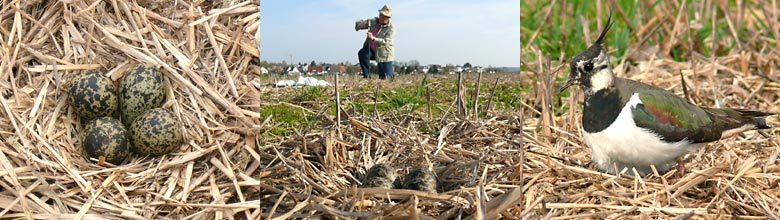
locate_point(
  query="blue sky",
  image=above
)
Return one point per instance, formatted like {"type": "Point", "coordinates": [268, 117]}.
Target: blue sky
{"type": "Point", "coordinates": [484, 33]}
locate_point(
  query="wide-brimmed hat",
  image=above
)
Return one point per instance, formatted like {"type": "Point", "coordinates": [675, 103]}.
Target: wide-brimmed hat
{"type": "Point", "coordinates": [386, 11]}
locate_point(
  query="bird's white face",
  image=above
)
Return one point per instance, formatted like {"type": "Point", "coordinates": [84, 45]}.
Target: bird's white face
{"type": "Point", "coordinates": [598, 71]}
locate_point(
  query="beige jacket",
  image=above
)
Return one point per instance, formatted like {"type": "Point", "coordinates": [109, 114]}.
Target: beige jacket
{"type": "Point", "coordinates": [384, 39]}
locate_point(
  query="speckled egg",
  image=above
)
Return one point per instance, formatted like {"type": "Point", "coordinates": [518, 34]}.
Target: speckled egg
{"type": "Point", "coordinates": [106, 137]}
{"type": "Point", "coordinates": [141, 89]}
{"type": "Point", "coordinates": [93, 95]}
{"type": "Point", "coordinates": [421, 179]}
{"type": "Point", "coordinates": [155, 133]}
{"type": "Point", "coordinates": [381, 175]}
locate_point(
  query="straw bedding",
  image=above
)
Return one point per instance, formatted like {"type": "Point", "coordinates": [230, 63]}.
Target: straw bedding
{"type": "Point", "coordinates": [197, 45]}
{"type": "Point", "coordinates": [528, 161]}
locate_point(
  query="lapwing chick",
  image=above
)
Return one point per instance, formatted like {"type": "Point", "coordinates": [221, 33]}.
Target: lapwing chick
{"type": "Point", "coordinates": [420, 179]}
{"type": "Point", "coordinates": [632, 125]}
{"type": "Point", "coordinates": [381, 175]}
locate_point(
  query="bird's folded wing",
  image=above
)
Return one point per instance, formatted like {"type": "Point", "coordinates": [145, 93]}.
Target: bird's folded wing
{"type": "Point", "coordinates": [673, 118]}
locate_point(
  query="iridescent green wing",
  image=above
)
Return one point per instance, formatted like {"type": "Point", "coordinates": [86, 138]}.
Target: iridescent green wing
{"type": "Point", "coordinates": [669, 116]}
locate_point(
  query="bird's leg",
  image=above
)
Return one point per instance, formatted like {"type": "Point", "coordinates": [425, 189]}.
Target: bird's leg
{"type": "Point", "coordinates": [681, 170]}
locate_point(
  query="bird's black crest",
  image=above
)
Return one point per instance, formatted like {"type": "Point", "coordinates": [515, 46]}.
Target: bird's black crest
{"type": "Point", "coordinates": [604, 31]}
{"type": "Point", "coordinates": [595, 49]}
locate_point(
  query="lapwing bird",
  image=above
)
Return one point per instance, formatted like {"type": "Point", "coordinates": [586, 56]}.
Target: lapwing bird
{"type": "Point", "coordinates": [632, 125]}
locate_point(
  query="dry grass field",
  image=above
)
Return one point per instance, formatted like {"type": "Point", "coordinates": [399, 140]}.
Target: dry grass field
{"type": "Point", "coordinates": [254, 151]}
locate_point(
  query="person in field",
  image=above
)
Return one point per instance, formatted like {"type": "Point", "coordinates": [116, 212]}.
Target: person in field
{"type": "Point", "coordinates": [378, 44]}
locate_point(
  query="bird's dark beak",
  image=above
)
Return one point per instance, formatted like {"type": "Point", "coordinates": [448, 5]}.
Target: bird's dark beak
{"type": "Point", "coordinates": [566, 85]}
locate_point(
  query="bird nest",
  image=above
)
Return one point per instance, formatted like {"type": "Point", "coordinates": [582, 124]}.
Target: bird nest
{"type": "Point", "coordinates": [208, 53]}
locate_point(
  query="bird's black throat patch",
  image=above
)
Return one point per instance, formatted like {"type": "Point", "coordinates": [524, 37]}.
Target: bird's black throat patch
{"type": "Point", "coordinates": [601, 109]}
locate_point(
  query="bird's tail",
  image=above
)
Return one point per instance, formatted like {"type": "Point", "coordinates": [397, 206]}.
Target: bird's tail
{"type": "Point", "coordinates": [735, 121]}
{"type": "Point", "coordinates": [729, 118]}
{"type": "Point", "coordinates": [761, 124]}
{"type": "Point", "coordinates": [758, 117]}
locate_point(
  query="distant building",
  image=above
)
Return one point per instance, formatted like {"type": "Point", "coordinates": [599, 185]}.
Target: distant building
{"type": "Point", "coordinates": [304, 68]}
{"type": "Point", "coordinates": [336, 69]}
{"type": "Point", "coordinates": [479, 69]}
{"type": "Point", "coordinates": [467, 67]}
{"type": "Point", "coordinates": [263, 70]}
{"type": "Point", "coordinates": [449, 69]}
{"type": "Point", "coordinates": [292, 70]}
{"type": "Point", "coordinates": [316, 70]}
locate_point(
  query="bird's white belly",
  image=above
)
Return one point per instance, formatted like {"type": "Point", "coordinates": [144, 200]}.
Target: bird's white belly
{"type": "Point", "coordinates": [624, 145]}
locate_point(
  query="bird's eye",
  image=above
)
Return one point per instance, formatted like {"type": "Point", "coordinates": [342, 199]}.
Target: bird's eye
{"type": "Point", "coordinates": [588, 67]}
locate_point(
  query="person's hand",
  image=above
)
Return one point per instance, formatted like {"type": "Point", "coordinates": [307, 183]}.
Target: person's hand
{"type": "Point", "coordinates": [370, 35]}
